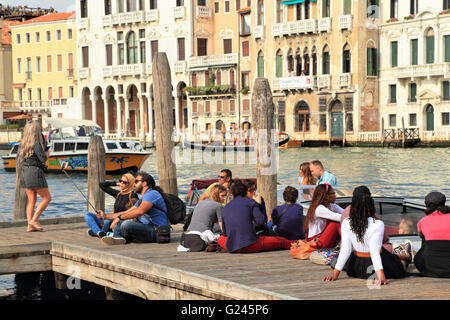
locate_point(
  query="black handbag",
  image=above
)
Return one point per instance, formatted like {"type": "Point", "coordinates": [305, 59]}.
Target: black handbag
{"type": "Point", "coordinates": [193, 242]}
{"type": "Point", "coordinates": [162, 234]}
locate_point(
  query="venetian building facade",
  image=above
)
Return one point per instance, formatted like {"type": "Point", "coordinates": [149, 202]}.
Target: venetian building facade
{"type": "Point", "coordinates": [116, 44]}
{"type": "Point", "coordinates": [415, 69]}
{"type": "Point", "coordinates": [321, 59]}
{"type": "Point", "coordinates": [44, 64]}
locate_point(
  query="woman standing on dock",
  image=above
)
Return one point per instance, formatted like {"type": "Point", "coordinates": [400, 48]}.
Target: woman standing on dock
{"type": "Point", "coordinates": [33, 151]}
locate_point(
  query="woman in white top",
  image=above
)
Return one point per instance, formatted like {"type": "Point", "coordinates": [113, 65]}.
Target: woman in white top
{"type": "Point", "coordinates": [323, 217]}
{"type": "Point", "coordinates": [362, 239]}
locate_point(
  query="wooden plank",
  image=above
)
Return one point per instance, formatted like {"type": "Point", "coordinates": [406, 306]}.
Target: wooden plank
{"type": "Point", "coordinates": [25, 258]}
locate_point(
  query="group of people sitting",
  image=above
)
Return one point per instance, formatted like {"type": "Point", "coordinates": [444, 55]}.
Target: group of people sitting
{"type": "Point", "coordinates": [231, 217]}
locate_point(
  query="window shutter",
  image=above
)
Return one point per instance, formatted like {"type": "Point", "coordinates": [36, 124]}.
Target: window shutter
{"type": "Point", "coordinates": [260, 67]}
{"type": "Point", "coordinates": [447, 48]}
{"type": "Point", "coordinates": [415, 52]}
{"type": "Point", "coordinates": [370, 71]}
{"type": "Point", "coordinates": [245, 49]}
{"type": "Point", "coordinates": [394, 54]}
{"type": "Point", "coordinates": [181, 50]}
{"type": "Point", "coordinates": [430, 49]}
{"type": "Point", "coordinates": [227, 46]}
{"type": "Point", "coordinates": [279, 70]}
{"type": "Point", "coordinates": [446, 85]}
{"type": "Point", "coordinates": [347, 6]}
{"type": "Point", "coordinates": [109, 54]}
{"type": "Point", "coordinates": [202, 47]}
{"type": "Point", "coordinates": [412, 92]}
{"type": "Point", "coordinates": [85, 51]}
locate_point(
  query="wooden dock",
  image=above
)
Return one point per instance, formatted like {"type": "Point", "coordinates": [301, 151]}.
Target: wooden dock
{"type": "Point", "coordinates": [158, 271]}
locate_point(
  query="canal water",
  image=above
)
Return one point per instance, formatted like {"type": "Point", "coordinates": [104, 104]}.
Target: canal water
{"type": "Point", "coordinates": [409, 173]}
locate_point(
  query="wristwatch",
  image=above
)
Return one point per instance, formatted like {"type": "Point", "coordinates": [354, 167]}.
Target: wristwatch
{"type": "Point", "coordinates": [119, 216]}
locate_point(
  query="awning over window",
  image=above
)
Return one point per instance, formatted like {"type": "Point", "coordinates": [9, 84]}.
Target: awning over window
{"type": "Point", "coordinates": [296, 1]}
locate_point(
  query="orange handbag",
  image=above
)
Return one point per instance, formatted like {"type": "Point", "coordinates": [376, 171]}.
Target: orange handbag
{"type": "Point", "coordinates": [301, 249]}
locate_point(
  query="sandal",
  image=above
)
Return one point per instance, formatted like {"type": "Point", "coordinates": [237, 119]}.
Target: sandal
{"type": "Point", "coordinates": [36, 226]}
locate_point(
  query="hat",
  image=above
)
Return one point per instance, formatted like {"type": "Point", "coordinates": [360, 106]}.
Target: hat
{"type": "Point", "coordinates": [434, 199]}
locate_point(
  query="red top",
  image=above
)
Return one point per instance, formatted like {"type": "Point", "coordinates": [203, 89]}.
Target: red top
{"type": "Point", "coordinates": [435, 226]}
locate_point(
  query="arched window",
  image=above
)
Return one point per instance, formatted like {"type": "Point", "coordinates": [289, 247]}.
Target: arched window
{"type": "Point", "coordinates": [314, 61]}
{"type": "Point", "coordinates": [326, 60]}
{"type": "Point", "coordinates": [290, 61]}
{"type": "Point", "coordinates": [132, 49]}
{"type": "Point", "coordinates": [306, 63]}
{"type": "Point", "coordinates": [260, 65]}
{"type": "Point", "coordinates": [346, 59]}
{"type": "Point", "coordinates": [372, 59]}
{"type": "Point", "coordinates": [279, 64]}
{"type": "Point", "coordinates": [302, 116]}
{"type": "Point", "coordinates": [298, 60]}
{"type": "Point", "coordinates": [429, 45]}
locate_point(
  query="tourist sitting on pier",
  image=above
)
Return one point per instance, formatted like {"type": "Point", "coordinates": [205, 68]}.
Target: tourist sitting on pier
{"type": "Point", "coordinates": [125, 199]}
{"type": "Point", "coordinates": [361, 245]}
{"type": "Point", "coordinates": [206, 221]}
{"type": "Point", "coordinates": [306, 178]}
{"type": "Point", "coordinates": [323, 217]}
{"type": "Point", "coordinates": [225, 179]}
{"type": "Point", "coordinates": [288, 218]}
{"type": "Point", "coordinates": [252, 193]}
{"type": "Point", "coordinates": [239, 218]}
{"type": "Point", "coordinates": [322, 175]}
{"type": "Point", "coordinates": [138, 223]}
{"type": "Point", "coordinates": [433, 258]}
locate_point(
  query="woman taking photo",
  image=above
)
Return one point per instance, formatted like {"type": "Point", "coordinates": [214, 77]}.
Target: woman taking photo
{"type": "Point", "coordinates": [323, 217]}
{"type": "Point", "coordinates": [125, 199]}
{"type": "Point", "coordinates": [362, 244]}
{"type": "Point", "coordinates": [33, 152]}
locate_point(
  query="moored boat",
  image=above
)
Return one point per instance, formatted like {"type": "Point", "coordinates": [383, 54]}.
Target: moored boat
{"type": "Point", "coordinates": [69, 143]}
{"type": "Point", "coordinates": [219, 147]}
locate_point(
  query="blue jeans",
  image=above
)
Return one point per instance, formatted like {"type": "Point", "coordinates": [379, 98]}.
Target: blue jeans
{"type": "Point", "coordinates": [95, 224]}
{"type": "Point", "coordinates": [134, 231]}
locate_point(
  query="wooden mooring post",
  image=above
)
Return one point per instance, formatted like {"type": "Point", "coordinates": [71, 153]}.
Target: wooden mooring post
{"type": "Point", "coordinates": [20, 198]}
{"type": "Point", "coordinates": [163, 106]}
{"type": "Point", "coordinates": [96, 173]}
{"type": "Point", "coordinates": [266, 150]}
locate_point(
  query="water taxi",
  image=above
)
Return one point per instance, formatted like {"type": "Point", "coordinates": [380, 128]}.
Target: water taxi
{"type": "Point", "coordinates": [69, 143]}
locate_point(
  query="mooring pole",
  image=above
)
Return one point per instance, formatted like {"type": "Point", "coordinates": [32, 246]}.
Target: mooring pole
{"type": "Point", "coordinates": [163, 106]}
{"type": "Point", "coordinates": [96, 174]}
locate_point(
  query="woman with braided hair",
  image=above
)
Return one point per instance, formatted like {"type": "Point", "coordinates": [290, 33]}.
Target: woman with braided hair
{"type": "Point", "coordinates": [361, 244]}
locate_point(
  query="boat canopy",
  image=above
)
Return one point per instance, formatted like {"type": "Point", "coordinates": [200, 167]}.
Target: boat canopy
{"type": "Point", "coordinates": [59, 123]}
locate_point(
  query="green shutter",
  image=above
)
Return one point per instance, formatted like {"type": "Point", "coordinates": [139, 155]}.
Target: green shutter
{"type": "Point", "coordinates": [446, 90]}
{"type": "Point", "coordinates": [375, 61]}
{"type": "Point", "coordinates": [279, 67]}
{"type": "Point", "coordinates": [414, 52]}
{"type": "Point", "coordinates": [369, 62]}
{"type": "Point", "coordinates": [260, 67]}
{"type": "Point", "coordinates": [447, 48]}
{"type": "Point", "coordinates": [326, 63]}
{"type": "Point", "coordinates": [394, 54]}
{"type": "Point", "coordinates": [412, 92]}
{"type": "Point", "coordinates": [430, 49]}
{"type": "Point", "coordinates": [347, 6]}
{"type": "Point", "coordinates": [393, 93]}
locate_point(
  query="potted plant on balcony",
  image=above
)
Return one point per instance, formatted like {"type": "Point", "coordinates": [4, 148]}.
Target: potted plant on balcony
{"type": "Point", "coordinates": [244, 90]}
{"type": "Point", "coordinates": [411, 16]}
{"type": "Point", "coordinates": [392, 20]}
{"type": "Point", "coordinates": [445, 11]}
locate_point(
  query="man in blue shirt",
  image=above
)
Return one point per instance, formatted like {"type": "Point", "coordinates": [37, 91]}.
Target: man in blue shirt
{"type": "Point", "coordinates": [137, 224]}
{"type": "Point", "coordinates": [321, 174]}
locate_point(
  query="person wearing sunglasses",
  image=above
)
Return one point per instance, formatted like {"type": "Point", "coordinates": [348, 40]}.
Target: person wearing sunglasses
{"type": "Point", "coordinates": [225, 179]}
{"type": "Point", "coordinates": [125, 199]}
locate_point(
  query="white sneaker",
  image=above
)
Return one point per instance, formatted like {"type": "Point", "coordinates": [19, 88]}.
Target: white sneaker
{"type": "Point", "coordinates": [109, 240]}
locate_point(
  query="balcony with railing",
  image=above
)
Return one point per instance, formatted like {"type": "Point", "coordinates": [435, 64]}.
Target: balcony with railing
{"type": "Point", "coordinates": [324, 25]}
{"type": "Point", "coordinates": [83, 23]}
{"type": "Point", "coordinates": [324, 81]}
{"type": "Point", "coordinates": [258, 32]}
{"type": "Point", "coordinates": [345, 22]}
{"type": "Point", "coordinates": [424, 71]}
{"type": "Point", "coordinates": [296, 27]}
{"type": "Point", "coordinates": [345, 80]}
{"type": "Point", "coordinates": [83, 73]}
{"type": "Point", "coordinates": [179, 12]}
{"type": "Point", "coordinates": [130, 17]}
{"type": "Point", "coordinates": [203, 12]}
{"type": "Point", "coordinates": [180, 66]}
{"type": "Point", "coordinates": [127, 70]}
{"type": "Point", "coordinates": [217, 60]}
{"type": "Point", "coordinates": [41, 105]}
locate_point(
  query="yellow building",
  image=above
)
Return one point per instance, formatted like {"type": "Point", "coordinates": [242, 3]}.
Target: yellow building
{"type": "Point", "coordinates": [44, 62]}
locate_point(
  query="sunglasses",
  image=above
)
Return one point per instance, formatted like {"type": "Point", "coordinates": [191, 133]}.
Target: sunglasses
{"type": "Point", "coordinates": [123, 181]}
{"type": "Point", "coordinates": [222, 177]}
{"type": "Point", "coordinates": [136, 181]}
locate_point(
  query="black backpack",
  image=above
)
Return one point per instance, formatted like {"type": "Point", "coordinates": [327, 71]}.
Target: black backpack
{"type": "Point", "coordinates": [176, 209]}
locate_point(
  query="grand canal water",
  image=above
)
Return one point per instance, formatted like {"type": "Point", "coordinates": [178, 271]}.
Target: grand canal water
{"type": "Point", "coordinates": [409, 173]}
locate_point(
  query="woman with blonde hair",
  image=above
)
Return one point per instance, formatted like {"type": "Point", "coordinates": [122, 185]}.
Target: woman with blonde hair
{"type": "Point", "coordinates": [125, 199]}
{"type": "Point", "coordinates": [33, 152]}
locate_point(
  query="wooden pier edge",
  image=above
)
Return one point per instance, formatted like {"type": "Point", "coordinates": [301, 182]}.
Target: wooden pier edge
{"type": "Point", "coordinates": [148, 280]}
